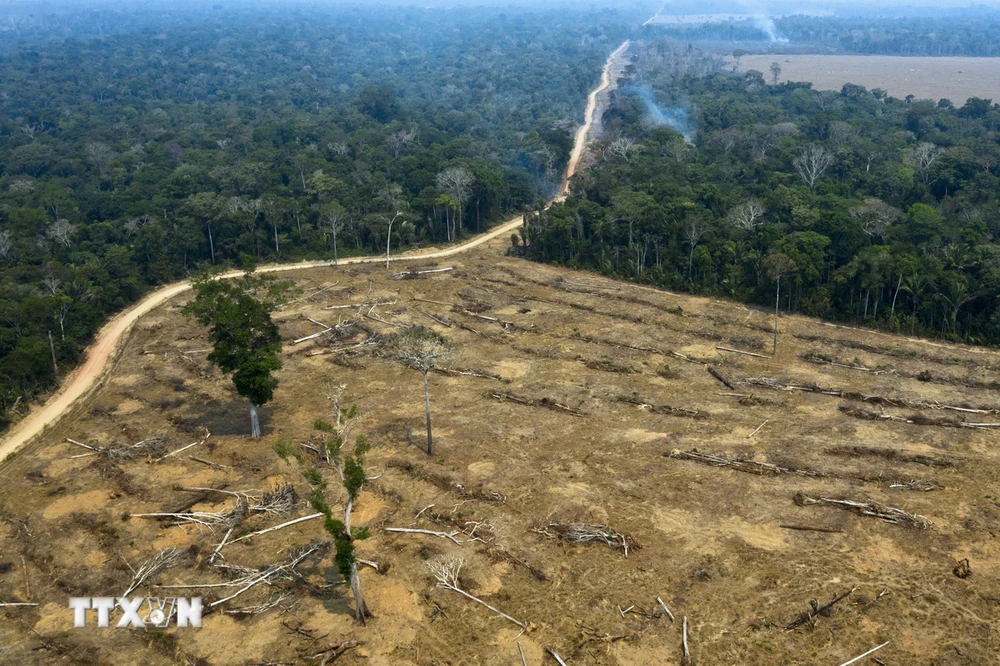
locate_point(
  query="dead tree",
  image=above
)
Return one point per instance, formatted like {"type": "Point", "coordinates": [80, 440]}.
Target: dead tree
{"type": "Point", "coordinates": [421, 348]}
{"type": "Point", "coordinates": [812, 162]}
{"type": "Point", "coordinates": [746, 216]}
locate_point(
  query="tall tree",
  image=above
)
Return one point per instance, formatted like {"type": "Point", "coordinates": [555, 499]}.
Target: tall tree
{"type": "Point", "coordinates": [456, 182]}
{"type": "Point", "coordinates": [245, 340]}
{"type": "Point", "coordinates": [421, 349]}
{"type": "Point", "coordinates": [778, 265]}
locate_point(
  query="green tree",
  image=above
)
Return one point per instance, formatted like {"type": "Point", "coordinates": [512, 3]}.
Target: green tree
{"type": "Point", "coordinates": [351, 469]}
{"type": "Point", "coordinates": [245, 340]}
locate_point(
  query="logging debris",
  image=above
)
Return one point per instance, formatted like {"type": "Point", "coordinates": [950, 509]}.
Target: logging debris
{"type": "Point", "coordinates": [584, 533]}
{"type": "Point", "coordinates": [447, 571]}
{"type": "Point", "coordinates": [722, 378]}
{"type": "Point", "coordinates": [446, 483]}
{"type": "Point", "coordinates": [808, 387]}
{"type": "Point", "coordinates": [741, 464]}
{"type": "Point", "coordinates": [872, 509]}
{"type": "Point", "coordinates": [888, 454]}
{"type": "Point", "coordinates": [810, 528]}
{"type": "Point", "coordinates": [915, 419]}
{"type": "Point", "coordinates": [817, 610]}
{"type": "Point", "coordinates": [658, 409]}
{"type": "Point", "coordinates": [163, 560]}
{"type": "Point", "coordinates": [416, 275]}
{"type": "Point", "coordinates": [154, 447]}
{"type": "Point", "coordinates": [547, 403]}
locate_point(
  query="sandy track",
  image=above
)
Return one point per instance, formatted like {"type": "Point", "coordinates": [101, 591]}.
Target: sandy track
{"type": "Point", "coordinates": [580, 140]}
{"type": "Point", "coordinates": [100, 356]}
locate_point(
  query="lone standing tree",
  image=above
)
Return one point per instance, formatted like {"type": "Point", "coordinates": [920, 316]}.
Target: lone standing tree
{"type": "Point", "coordinates": [421, 348]}
{"type": "Point", "coordinates": [245, 340]}
{"type": "Point", "coordinates": [778, 265]}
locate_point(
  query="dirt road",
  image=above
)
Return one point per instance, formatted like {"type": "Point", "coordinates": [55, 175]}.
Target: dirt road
{"type": "Point", "coordinates": [101, 354]}
{"type": "Point", "coordinates": [580, 140]}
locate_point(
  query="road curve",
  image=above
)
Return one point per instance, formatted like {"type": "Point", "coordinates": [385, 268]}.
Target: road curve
{"type": "Point", "coordinates": [102, 352]}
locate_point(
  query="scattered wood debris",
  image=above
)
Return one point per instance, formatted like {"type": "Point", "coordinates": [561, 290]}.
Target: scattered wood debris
{"type": "Point", "coordinates": [548, 403]}
{"type": "Point", "coordinates": [658, 409]}
{"type": "Point", "coordinates": [416, 275]}
{"type": "Point", "coordinates": [154, 447]}
{"type": "Point", "coordinates": [862, 656]}
{"type": "Point", "coordinates": [463, 372]}
{"type": "Point", "coordinates": [722, 378]}
{"type": "Point", "coordinates": [741, 464]}
{"type": "Point", "coordinates": [163, 560]}
{"type": "Point", "coordinates": [915, 419]}
{"type": "Point", "coordinates": [447, 570]}
{"type": "Point", "coordinates": [962, 569]}
{"type": "Point", "coordinates": [810, 528]}
{"type": "Point", "coordinates": [583, 533]}
{"type": "Point", "coordinates": [817, 610]}
{"type": "Point", "coordinates": [888, 454]}
{"type": "Point", "coordinates": [868, 508]}
{"type": "Point", "coordinates": [328, 654]}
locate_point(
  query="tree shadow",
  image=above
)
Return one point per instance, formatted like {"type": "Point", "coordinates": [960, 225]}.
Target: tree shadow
{"type": "Point", "coordinates": [228, 417]}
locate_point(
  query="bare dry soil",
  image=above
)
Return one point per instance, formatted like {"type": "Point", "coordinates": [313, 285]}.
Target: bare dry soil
{"type": "Point", "coordinates": [582, 402]}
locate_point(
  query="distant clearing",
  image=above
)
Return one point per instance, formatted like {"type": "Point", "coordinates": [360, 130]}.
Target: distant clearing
{"type": "Point", "coordinates": [956, 79]}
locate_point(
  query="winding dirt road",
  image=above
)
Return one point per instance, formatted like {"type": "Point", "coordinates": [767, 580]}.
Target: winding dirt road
{"type": "Point", "coordinates": [580, 140]}
{"type": "Point", "coordinates": [101, 355]}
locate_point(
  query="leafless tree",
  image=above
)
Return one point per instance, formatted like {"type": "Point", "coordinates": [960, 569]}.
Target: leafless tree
{"type": "Point", "coordinates": [32, 128]}
{"type": "Point", "coordinates": [621, 147]}
{"type": "Point", "coordinates": [98, 154]}
{"type": "Point", "coordinates": [24, 185]}
{"type": "Point", "coordinates": [812, 162]}
{"type": "Point", "coordinates": [694, 229]}
{"type": "Point", "coordinates": [775, 72]}
{"type": "Point", "coordinates": [52, 283]}
{"type": "Point", "coordinates": [875, 217]}
{"type": "Point", "coordinates": [6, 245]}
{"type": "Point", "coordinates": [842, 135]}
{"type": "Point", "coordinates": [338, 148]}
{"type": "Point", "coordinates": [729, 138]}
{"type": "Point", "coordinates": [778, 265]}
{"type": "Point", "coordinates": [398, 141]}
{"type": "Point", "coordinates": [747, 216]}
{"type": "Point", "coordinates": [421, 349]}
{"type": "Point", "coordinates": [132, 225]}
{"type": "Point", "coordinates": [332, 219]}
{"type": "Point", "coordinates": [61, 231]}
{"type": "Point", "coordinates": [456, 182]}
{"type": "Point", "coordinates": [924, 156]}
{"type": "Point", "coordinates": [762, 139]}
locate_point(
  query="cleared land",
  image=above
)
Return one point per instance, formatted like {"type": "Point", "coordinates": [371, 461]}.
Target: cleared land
{"type": "Point", "coordinates": [578, 410]}
{"type": "Point", "coordinates": [956, 79]}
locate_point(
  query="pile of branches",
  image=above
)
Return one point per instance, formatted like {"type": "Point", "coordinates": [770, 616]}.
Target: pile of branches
{"type": "Point", "coordinates": [888, 454]}
{"type": "Point", "coordinates": [659, 409]}
{"type": "Point", "coordinates": [770, 469]}
{"type": "Point", "coordinates": [742, 464]}
{"type": "Point", "coordinates": [154, 447]}
{"type": "Point", "coordinates": [916, 419]}
{"type": "Point", "coordinates": [875, 399]}
{"type": "Point", "coordinates": [547, 403]}
{"type": "Point", "coordinates": [279, 501]}
{"type": "Point", "coordinates": [868, 508]}
{"type": "Point", "coordinates": [584, 533]}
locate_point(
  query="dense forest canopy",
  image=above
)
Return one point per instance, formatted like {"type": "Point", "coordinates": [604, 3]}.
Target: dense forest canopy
{"type": "Point", "coordinates": [872, 209]}
{"type": "Point", "coordinates": [967, 33]}
{"type": "Point", "coordinates": [269, 134]}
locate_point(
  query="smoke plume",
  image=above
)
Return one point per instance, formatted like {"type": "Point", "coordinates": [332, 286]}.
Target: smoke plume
{"type": "Point", "coordinates": [677, 118]}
